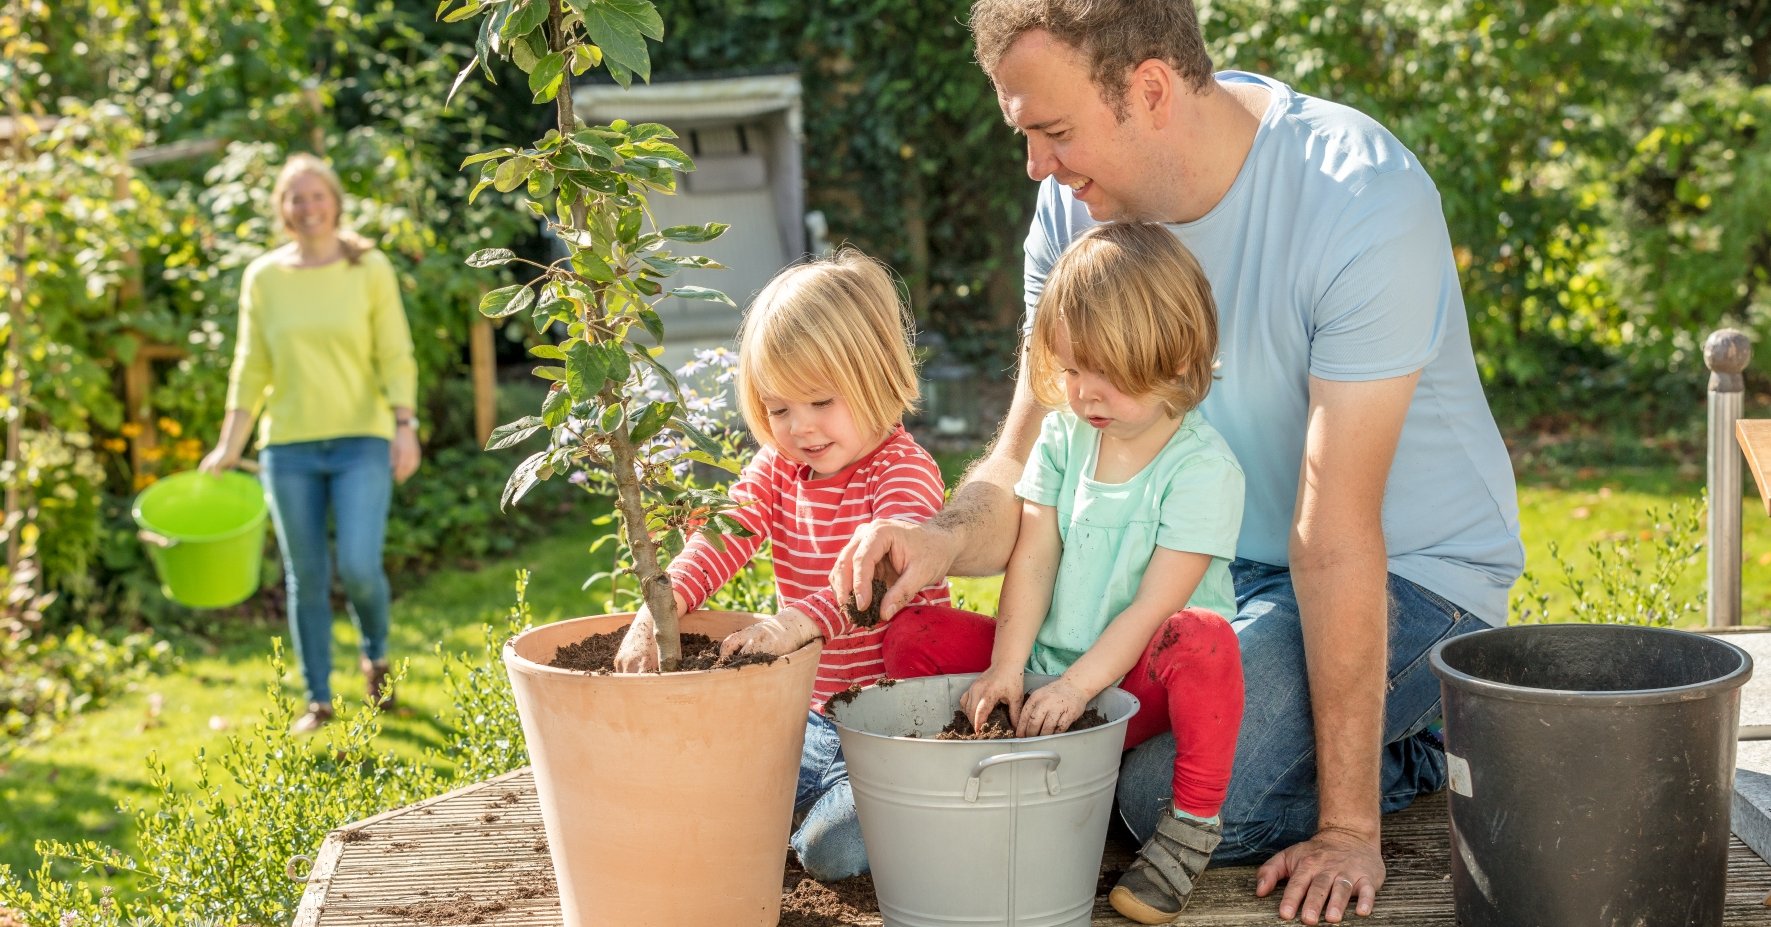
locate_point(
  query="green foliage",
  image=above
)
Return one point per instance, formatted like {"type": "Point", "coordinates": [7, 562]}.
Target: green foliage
{"type": "Point", "coordinates": [485, 735]}
{"type": "Point", "coordinates": [218, 853]}
{"type": "Point", "coordinates": [1631, 579]}
{"type": "Point", "coordinates": [48, 679]}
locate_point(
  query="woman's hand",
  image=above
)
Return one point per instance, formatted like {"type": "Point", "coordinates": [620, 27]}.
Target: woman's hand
{"type": "Point", "coordinates": [1052, 708]}
{"type": "Point", "coordinates": [403, 454]}
{"type": "Point", "coordinates": [780, 635]}
{"type": "Point", "coordinates": [998, 684]}
{"type": "Point", "coordinates": [639, 649]}
{"type": "Point", "coordinates": [220, 460]}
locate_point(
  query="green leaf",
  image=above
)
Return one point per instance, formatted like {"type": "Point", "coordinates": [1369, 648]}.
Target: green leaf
{"type": "Point", "coordinates": [647, 131]}
{"type": "Point", "coordinates": [628, 228]}
{"type": "Point", "coordinates": [523, 20]}
{"type": "Point", "coordinates": [548, 351]}
{"type": "Point", "coordinates": [655, 416]}
{"type": "Point", "coordinates": [513, 432]}
{"type": "Point", "coordinates": [512, 173]}
{"type": "Point", "coordinates": [460, 79]}
{"type": "Point", "coordinates": [615, 363]}
{"type": "Point", "coordinates": [555, 374]}
{"type": "Point", "coordinates": [704, 293]}
{"type": "Point", "coordinates": [585, 368]}
{"type": "Point", "coordinates": [468, 10]}
{"type": "Point", "coordinates": [611, 419]}
{"type": "Point", "coordinates": [540, 185]}
{"type": "Point", "coordinates": [700, 439]}
{"type": "Point", "coordinates": [592, 267]}
{"type": "Point", "coordinates": [695, 234]}
{"type": "Point", "coordinates": [522, 479]}
{"type": "Point", "coordinates": [487, 156]}
{"type": "Point", "coordinates": [585, 57]}
{"type": "Point", "coordinates": [655, 325]}
{"type": "Point", "coordinates": [618, 27]}
{"type": "Point", "coordinates": [491, 257]}
{"type": "Point", "coordinates": [545, 80]}
{"type": "Point", "coordinates": [506, 300]}
{"type": "Point", "coordinates": [556, 407]}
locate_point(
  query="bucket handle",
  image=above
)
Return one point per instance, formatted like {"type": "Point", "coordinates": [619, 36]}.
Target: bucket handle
{"type": "Point", "coordinates": [155, 539]}
{"type": "Point", "coordinates": [1049, 757]}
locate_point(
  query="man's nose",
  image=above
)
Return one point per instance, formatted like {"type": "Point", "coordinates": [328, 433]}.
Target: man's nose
{"type": "Point", "coordinates": [1041, 163]}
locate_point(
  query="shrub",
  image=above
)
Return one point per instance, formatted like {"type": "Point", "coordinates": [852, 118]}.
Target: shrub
{"type": "Point", "coordinates": [1632, 579]}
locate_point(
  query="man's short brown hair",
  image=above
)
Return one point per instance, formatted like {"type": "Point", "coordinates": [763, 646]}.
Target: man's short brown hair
{"type": "Point", "coordinates": [1113, 36]}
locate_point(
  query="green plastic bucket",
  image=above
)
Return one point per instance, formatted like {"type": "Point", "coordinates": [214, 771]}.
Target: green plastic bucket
{"type": "Point", "coordinates": [206, 536]}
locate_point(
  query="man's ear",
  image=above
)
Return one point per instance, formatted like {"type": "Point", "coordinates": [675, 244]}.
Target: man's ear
{"type": "Point", "coordinates": [1152, 91]}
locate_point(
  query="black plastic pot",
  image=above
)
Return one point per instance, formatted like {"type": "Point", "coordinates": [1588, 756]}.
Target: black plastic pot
{"type": "Point", "coordinates": [1592, 768]}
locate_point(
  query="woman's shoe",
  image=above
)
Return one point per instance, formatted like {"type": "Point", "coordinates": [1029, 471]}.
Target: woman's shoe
{"type": "Point", "coordinates": [379, 690]}
{"type": "Point", "coordinates": [318, 714]}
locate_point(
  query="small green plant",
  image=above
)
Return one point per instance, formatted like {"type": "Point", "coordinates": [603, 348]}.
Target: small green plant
{"type": "Point", "coordinates": [590, 185]}
{"type": "Point", "coordinates": [1631, 579]}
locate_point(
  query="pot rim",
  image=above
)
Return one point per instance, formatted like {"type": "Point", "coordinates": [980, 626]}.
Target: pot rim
{"type": "Point", "coordinates": [516, 661]}
{"type": "Point", "coordinates": [1708, 688]}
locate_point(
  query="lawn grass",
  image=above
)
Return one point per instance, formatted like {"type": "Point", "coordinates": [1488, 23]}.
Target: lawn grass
{"type": "Point", "coordinates": [68, 787]}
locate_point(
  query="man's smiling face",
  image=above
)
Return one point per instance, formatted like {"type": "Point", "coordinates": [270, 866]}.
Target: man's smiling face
{"type": "Point", "coordinates": [1046, 93]}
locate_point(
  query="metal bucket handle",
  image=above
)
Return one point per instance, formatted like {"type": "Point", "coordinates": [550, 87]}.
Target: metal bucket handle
{"type": "Point", "coordinates": [1050, 757]}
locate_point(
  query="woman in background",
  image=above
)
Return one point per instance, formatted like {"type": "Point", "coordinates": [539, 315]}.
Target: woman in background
{"type": "Point", "coordinates": [323, 349]}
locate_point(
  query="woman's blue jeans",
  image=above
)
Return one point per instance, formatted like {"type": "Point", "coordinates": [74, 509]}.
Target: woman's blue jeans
{"type": "Point", "coordinates": [349, 479]}
{"type": "Point", "coordinates": [1272, 801]}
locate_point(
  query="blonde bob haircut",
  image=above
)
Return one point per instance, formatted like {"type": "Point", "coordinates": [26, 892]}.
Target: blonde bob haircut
{"type": "Point", "coordinates": [1136, 308]}
{"type": "Point", "coordinates": [829, 326]}
{"type": "Point", "coordinates": [300, 163]}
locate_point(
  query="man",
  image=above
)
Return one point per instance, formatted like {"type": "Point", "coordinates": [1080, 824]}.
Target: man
{"type": "Point", "coordinates": [1381, 514]}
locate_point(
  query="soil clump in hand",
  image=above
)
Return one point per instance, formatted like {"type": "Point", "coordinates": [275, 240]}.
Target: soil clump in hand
{"type": "Point", "coordinates": [596, 654]}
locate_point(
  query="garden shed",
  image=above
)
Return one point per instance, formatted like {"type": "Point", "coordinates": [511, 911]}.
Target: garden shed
{"type": "Point", "coordinates": [745, 135]}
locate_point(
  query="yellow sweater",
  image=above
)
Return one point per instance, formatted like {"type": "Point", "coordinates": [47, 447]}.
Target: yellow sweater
{"type": "Point", "coordinates": [324, 350]}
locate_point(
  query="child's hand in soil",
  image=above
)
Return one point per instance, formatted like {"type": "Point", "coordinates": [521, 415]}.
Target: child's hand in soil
{"type": "Point", "coordinates": [996, 685]}
{"type": "Point", "coordinates": [780, 635]}
{"type": "Point", "coordinates": [639, 649]}
{"type": "Point", "coordinates": [1051, 709]}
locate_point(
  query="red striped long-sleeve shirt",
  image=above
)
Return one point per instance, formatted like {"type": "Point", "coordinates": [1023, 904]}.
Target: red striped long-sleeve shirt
{"type": "Point", "coordinates": [809, 521]}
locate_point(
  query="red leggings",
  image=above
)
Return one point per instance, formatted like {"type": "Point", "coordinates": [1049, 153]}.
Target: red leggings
{"type": "Point", "coordinates": [1189, 680]}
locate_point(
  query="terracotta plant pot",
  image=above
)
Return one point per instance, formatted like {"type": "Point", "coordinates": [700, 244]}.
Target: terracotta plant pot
{"type": "Point", "coordinates": [667, 798]}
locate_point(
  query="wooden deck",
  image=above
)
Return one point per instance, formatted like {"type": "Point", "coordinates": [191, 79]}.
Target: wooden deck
{"type": "Point", "coordinates": [479, 856]}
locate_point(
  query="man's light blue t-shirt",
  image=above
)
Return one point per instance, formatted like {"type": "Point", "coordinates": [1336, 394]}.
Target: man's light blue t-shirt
{"type": "Point", "coordinates": [1189, 499]}
{"type": "Point", "coordinates": [1329, 257]}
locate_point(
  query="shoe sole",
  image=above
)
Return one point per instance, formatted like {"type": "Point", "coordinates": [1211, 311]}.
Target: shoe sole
{"type": "Point", "coordinates": [1130, 906]}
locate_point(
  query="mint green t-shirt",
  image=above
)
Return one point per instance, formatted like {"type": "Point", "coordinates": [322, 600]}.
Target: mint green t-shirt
{"type": "Point", "coordinates": [1188, 499]}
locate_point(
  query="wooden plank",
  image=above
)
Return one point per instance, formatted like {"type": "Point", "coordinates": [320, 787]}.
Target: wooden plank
{"type": "Point", "coordinates": [483, 848]}
{"type": "Point", "coordinates": [1755, 441]}
{"type": "Point", "coordinates": [485, 379]}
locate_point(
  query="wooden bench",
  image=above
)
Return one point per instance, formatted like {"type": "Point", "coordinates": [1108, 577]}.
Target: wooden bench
{"type": "Point", "coordinates": [481, 851]}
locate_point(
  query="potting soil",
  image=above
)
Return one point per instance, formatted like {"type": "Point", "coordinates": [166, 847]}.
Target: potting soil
{"type": "Point", "coordinates": [596, 654]}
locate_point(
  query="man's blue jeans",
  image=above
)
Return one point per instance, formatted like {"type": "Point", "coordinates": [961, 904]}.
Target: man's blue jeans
{"type": "Point", "coordinates": [350, 479]}
{"type": "Point", "coordinates": [827, 835]}
{"type": "Point", "coordinates": [1272, 799]}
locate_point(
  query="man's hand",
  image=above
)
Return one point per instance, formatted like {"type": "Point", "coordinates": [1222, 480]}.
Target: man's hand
{"type": "Point", "coordinates": [921, 554]}
{"type": "Point", "coordinates": [639, 649]}
{"type": "Point", "coordinates": [1322, 874]}
{"type": "Point", "coordinates": [780, 635]}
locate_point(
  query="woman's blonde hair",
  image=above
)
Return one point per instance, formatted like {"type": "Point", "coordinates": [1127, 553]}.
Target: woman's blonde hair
{"type": "Point", "coordinates": [1136, 308]}
{"type": "Point", "coordinates": [354, 245]}
{"type": "Point", "coordinates": [829, 325]}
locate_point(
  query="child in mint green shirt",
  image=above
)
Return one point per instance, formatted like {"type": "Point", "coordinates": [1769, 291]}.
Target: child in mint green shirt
{"type": "Point", "coordinates": [1120, 573]}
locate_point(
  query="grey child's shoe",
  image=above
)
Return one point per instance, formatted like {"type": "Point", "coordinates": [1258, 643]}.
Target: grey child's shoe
{"type": "Point", "coordinates": [1156, 888]}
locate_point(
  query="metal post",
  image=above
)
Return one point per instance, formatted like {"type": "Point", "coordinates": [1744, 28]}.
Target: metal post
{"type": "Point", "coordinates": [1726, 353]}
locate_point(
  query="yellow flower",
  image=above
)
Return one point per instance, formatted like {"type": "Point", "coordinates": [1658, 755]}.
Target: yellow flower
{"type": "Point", "coordinates": [116, 445]}
{"type": "Point", "coordinates": [144, 480]}
{"type": "Point", "coordinates": [170, 427]}
{"type": "Point", "coordinates": [130, 430]}
{"type": "Point", "coordinates": [151, 454]}
{"type": "Point", "coordinates": [189, 449]}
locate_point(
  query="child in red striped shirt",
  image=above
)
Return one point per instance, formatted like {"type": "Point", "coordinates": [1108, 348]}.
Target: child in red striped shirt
{"type": "Point", "coordinates": [825, 377]}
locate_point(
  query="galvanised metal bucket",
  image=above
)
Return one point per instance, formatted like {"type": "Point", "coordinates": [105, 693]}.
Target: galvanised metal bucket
{"type": "Point", "coordinates": [997, 832]}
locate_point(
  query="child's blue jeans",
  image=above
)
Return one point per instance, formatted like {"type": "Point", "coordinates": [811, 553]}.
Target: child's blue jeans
{"type": "Point", "coordinates": [349, 479]}
{"type": "Point", "coordinates": [828, 836]}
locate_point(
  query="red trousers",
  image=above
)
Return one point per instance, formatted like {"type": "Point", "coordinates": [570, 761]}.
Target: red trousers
{"type": "Point", "coordinates": [1189, 681]}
